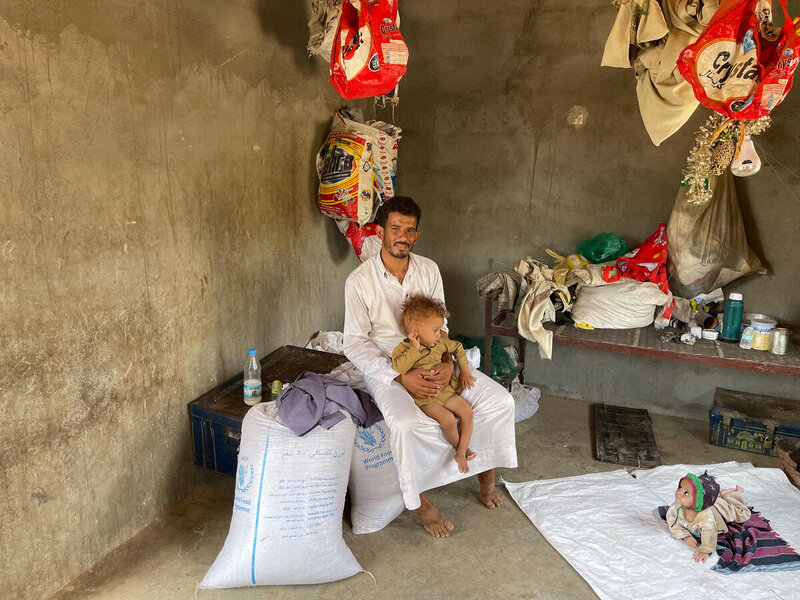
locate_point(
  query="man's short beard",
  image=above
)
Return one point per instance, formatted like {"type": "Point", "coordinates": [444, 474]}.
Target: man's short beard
{"type": "Point", "coordinates": [392, 251]}
{"type": "Point", "coordinates": [407, 252]}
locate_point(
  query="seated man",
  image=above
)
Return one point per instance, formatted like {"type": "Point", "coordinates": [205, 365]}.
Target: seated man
{"type": "Point", "coordinates": [374, 293]}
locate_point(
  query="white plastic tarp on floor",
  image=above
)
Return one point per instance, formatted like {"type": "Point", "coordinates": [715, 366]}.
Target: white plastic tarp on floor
{"type": "Point", "coordinates": [606, 526]}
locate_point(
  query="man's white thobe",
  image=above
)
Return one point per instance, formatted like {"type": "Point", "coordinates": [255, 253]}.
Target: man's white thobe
{"type": "Point", "coordinates": [424, 458]}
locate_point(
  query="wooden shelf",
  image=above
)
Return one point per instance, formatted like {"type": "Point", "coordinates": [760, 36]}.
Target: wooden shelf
{"type": "Point", "coordinates": [646, 341]}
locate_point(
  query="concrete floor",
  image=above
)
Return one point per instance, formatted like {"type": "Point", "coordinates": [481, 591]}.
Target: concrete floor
{"type": "Point", "coordinates": [492, 554]}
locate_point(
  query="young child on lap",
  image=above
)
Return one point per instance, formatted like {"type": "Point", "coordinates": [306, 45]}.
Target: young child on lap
{"type": "Point", "coordinates": [422, 320]}
{"type": "Point", "coordinates": [701, 511]}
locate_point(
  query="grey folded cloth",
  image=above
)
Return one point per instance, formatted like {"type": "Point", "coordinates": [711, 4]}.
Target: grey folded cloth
{"type": "Point", "coordinates": [314, 399]}
{"type": "Point", "coordinates": [511, 284]}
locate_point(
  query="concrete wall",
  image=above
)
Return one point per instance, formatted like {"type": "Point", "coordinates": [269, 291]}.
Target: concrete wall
{"type": "Point", "coordinates": [501, 175]}
{"type": "Point", "coordinates": [157, 218]}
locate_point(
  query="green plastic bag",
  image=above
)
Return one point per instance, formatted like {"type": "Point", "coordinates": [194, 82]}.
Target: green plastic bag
{"type": "Point", "coordinates": [502, 364]}
{"type": "Point", "coordinates": [602, 248]}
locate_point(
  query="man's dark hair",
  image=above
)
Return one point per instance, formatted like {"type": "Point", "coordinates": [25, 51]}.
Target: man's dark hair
{"type": "Point", "coordinates": [399, 204]}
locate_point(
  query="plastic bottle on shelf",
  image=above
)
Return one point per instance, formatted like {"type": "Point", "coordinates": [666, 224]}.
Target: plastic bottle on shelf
{"type": "Point", "coordinates": [252, 379]}
{"type": "Point", "coordinates": [747, 338]}
{"type": "Point", "coordinates": [732, 318]}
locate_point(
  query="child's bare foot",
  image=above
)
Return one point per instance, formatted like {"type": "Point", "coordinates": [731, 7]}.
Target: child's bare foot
{"type": "Point", "coordinates": [738, 488]}
{"type": "Point", "coordinates": [461, 460]}
{"type": "Point", "coordinates": [470, 454]}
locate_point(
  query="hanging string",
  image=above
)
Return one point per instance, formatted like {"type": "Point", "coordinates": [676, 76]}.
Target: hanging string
{"type": "Point", "coordinates": [760, 147]}
{"type": "Point", "coordinates": [774, 170]}
{"type": "Point", "coordinates": [740, 141]}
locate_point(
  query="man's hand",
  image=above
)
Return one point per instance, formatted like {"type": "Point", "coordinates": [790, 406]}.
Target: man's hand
{"type": "Point", "coordinates": [443, 372]}
{"type": "Point", "coordinates": [421, 383]}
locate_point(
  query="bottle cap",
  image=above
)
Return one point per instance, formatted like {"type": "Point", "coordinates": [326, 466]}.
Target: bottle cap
{"type": "Point", "coordinates": [735, 296]}
{"type": "Point", "coordinates": [252, 352]}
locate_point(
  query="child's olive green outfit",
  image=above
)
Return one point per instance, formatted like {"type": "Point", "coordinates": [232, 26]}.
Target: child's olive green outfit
{"type": "Point", "coordinates": [405, 358]}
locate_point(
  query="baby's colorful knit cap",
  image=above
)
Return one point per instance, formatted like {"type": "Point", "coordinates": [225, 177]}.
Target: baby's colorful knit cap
{"type": "Point", "coordinates": [705, 488]}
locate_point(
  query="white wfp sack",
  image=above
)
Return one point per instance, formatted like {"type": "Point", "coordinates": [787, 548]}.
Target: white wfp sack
{"type": "Point", "coordinates": [627, 304]}
{"type": "Point", "coordinates": [375, 496]}
{"type": "Point", "coordinates": [286, 526]}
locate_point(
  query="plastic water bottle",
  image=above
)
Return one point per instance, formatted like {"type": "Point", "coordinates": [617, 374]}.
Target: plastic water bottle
{"type": "Point", "coordinates": [252, 379]}
{"type": "Point", "coordinates": [732, 318]}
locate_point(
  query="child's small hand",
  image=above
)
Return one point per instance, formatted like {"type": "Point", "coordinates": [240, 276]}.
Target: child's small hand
{"type": "Point", "coordinates": [465, 379]}
{"type": "Point", "coordinates": [700, 556]}
{"type": "Point", "coordinates": [413, 337]}
{"type": "Point", "coordinates": [691, 542]}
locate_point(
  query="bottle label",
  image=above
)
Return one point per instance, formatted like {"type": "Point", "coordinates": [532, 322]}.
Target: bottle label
{"type": "Point", "coordinates": [252, 390]}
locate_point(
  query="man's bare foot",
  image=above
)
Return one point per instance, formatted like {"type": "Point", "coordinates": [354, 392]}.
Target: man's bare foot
{"type": "Point", "coordinates": [489, 496]}
{"type": "Point", "coordinates": [461, 460]}
{"type": "Point", "coordinates": [433, 521]}
{"type": "Point", "coordinates": [470, 454]}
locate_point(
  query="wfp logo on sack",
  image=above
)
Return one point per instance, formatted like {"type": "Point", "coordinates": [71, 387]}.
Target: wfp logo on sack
{"type": "Point", "coordinates": [244, 476]}
{"type": "Point", "coordinates": [729, 65]}
{"type": "Point", "coordinates": [369, 440]}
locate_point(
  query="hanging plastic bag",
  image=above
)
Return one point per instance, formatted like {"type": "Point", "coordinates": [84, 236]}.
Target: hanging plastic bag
{"type": "Point", "coordinates": [740, 66]}
{"type": "Point", "coordinates": [383, 138]}
{"type": "Point", "coordinates": [707, 247]}
{"type": "Point", "coordinates": [357, 167]}
{"type": "Point", "coordinates": [602, 248]}
{"type": "Point", "coordinates": [369, 55]}
{"type": "Point", "coordinates": [346, 186]}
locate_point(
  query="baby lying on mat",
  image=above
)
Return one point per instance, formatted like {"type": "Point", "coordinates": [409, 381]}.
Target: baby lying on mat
{"type": "Point", "coordinates": [701, 511]}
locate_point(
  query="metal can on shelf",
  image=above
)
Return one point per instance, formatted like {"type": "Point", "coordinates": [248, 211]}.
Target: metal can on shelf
{"type": "Point", "coordinates": [762, 329]}
{"type": "Point", "coordinates": [778, 338]}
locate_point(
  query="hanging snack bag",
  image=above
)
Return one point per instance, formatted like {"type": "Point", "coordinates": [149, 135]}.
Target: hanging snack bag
{"type": "Point", "coordinates": [369, 55]}
{"type": "Point", "coordinates": [383, 138]}
{"type": "Point", "coordinates": [740, 66]}
{"type": "Point", "coordinates": [357, 167]}
{"type": "Point", "coordinates": [344, 167]}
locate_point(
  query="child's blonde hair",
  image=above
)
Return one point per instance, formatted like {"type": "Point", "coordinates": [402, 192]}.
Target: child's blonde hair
{"type": "Point", "coordinates": [420, 306]}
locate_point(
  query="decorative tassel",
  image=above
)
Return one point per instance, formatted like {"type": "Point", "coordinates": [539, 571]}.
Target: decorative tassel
{"type": "Point", "coordinates": [706, 157]}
